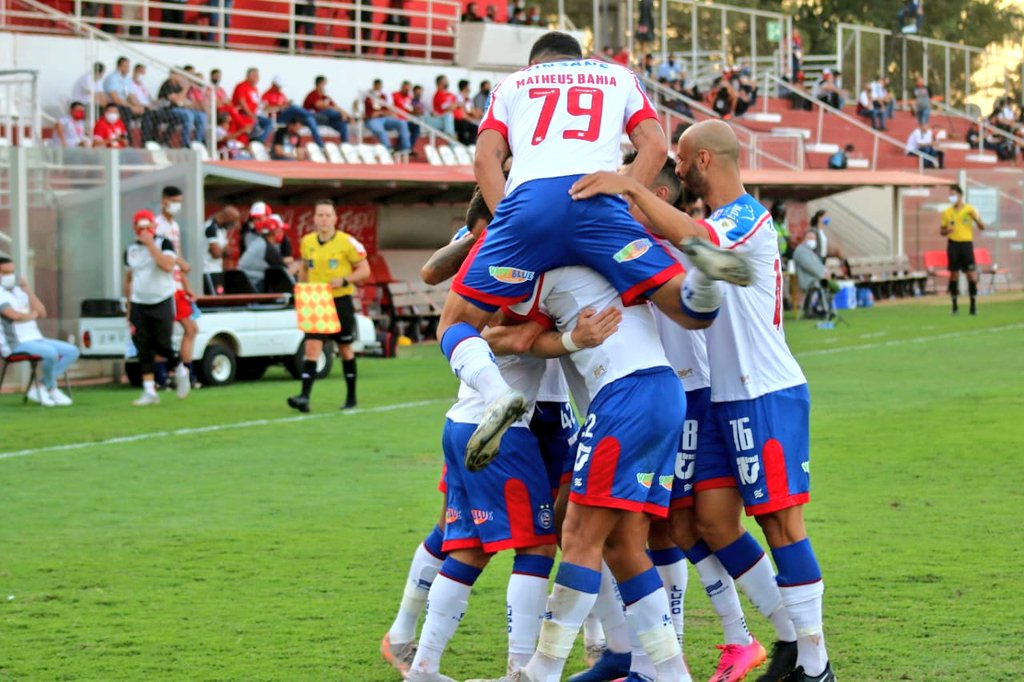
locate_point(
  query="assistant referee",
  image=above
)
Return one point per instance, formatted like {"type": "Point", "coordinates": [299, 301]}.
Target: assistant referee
{"type": "Point", "coordinates": [957, 225]}
{"type": "Point", "coordinates": [330, 256]}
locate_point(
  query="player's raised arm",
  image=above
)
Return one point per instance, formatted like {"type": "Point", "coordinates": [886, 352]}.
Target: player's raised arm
{"type": "Point", "coordinates": [491, 152]}
{"type": "Point", "coordinates": [651, 148]}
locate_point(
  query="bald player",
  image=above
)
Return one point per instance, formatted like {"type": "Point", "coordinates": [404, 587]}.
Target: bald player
{"type": "Point", "coordinates": [755, 451]}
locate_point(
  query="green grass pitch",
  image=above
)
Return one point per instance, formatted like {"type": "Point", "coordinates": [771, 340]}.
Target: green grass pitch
{"type": "Point", "coordinates": [238, 541]}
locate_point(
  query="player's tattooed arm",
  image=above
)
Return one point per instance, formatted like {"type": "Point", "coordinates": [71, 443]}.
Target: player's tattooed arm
{"type": "Point", "coordinates": [446, 261]}
{"type": "Point", "coordinates": [491, 153]}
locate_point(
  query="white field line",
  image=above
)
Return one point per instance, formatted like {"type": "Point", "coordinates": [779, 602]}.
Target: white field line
{"type": "Point", "coordinates": [215, 427]}
{"type": "Point", "coordinates": [421, 403]}
{"type": "Point", "coordinates": [917, 339]}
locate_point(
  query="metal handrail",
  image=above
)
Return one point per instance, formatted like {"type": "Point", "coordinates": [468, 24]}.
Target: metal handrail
{"type": "Point", "coordinates": [981, 123]}
{"type": "Point", "coordinates": [750, 135]}
{"type": "Point", "coordinates": [439, 44]}
{"type": "Point", "coordinates": [84, 29]}
{"type": "Point", "coordinates": [432, 132]}
{"type": "Point", "coordinates": [823, 108]}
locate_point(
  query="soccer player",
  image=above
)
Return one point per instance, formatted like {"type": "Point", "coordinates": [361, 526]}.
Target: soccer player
{"type": "Point", "coordinates": [759, 406]}
{"type": "Point", "coordinates": [333, 257]}
{"type": "Point", "coordinates": [957, 225]}
{"type": "Point", "coordinates": [561, 117]}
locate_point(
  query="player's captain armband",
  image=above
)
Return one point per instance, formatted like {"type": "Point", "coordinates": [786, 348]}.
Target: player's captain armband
{"type": "Point", "coordinates": [701, 297]}
{"type": "Point", "coordinates": [315, 311]}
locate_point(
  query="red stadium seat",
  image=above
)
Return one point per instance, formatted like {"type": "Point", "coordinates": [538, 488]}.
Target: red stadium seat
{"type": "Point", "coordinates": [983, 259]}
{"type": "Point", "coordinates": [937, 265]}
{"type": "Point", "coordinates": [34, 360]}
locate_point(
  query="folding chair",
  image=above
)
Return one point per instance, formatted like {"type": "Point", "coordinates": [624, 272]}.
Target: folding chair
{"type": "Point", "coordinates": [8, 360]}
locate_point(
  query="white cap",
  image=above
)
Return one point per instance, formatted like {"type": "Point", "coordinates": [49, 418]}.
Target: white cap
{"type": "Point", "coordinates": [826, 72]}
{"type": "Point", "coordinates": [278, 81]}
{"type": "Point", "coordinates": [260, 209]}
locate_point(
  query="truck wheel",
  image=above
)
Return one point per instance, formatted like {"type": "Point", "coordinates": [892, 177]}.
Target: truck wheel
{"type": "Point", "coordinates": [323, 363]}
{"type": "Point", "coordinates": [219, 365]}
{"type": "Point", "coordinates": [134, 374]}
{"type": "Point", "coordinates": [252, 369]}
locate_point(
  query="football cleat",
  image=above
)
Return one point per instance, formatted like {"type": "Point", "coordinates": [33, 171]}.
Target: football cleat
{"type": "Point", "coordinates": [781, 663]}
{"type": "Point", "coordinates": [299, 402]}
{"type": "Point", "coordinates": [634, 677]}
{"type": "Point", "coordinates": [146, 399]}
{"type": "Point", "coordinates": [610, 666]}
{"type": "Point", "coordinates": [718, 263]}
{"type": "Point", "coordinates": [736, 660]}
{"type": "Point", "coordinates": [592, 654]}
{"type": "Point", "coordinates": [417, 676]}
{"type": "Point", "coordinates": [400, 655]}
{"type": "Point", "coordinates": [350, 404]}
{"type": "Point", "coordinates": [483, 445]}
{"type": "Point", "coordinates": [182, 380]}
{"type": "Point", "coordinates": [799, 675]}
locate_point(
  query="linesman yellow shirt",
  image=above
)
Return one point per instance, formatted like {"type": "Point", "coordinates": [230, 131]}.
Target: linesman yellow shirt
{"type": "Point", "coordinates": [960, 223]}
{"type": "Point", "coordinates": [332, 260]}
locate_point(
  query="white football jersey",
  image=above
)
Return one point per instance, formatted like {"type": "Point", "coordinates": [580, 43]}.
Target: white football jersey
{"type": "Point", "coordinates": [521, 372]}
{"type": "Point", "coordinates": [746, 344]}
{"type": "Point", "coordinates": [566, 118]}
{"type": "Point", "coordinates": [168, 229]}
{"type": "Point", "coordinates": [553, 388]}
{"type": "Point", "coordinates": [565, 292]}
{"type": "Point", "coordinates": [686, 349]}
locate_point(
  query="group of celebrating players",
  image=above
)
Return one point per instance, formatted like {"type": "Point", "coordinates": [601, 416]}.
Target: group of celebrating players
{"type": "Point", "coordinates": [668, 331]}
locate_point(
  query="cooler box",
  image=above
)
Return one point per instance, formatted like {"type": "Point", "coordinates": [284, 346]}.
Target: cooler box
{"type": "Point", "coordinates": [846, 298]}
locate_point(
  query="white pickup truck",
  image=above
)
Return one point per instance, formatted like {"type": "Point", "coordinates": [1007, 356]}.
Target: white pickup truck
{"type": "Point", "coordinates": [239, 337]}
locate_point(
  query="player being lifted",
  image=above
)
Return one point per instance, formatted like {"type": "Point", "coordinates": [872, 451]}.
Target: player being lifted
{"type": "Point", "coordinates": [560, 118]}
{"type": "Point", "coordinates": [760, 405]}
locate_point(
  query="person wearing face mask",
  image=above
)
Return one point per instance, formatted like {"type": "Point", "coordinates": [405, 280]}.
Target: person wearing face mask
{"type": "Point", "coordinates": [109, 130]}
{"type": "Point", "coordinates": [958, 221]}
{"type": "Point", "coordinates": [184, 300]}
{"type": "Point", "coordinates": [216, 232]}
{"type": "Point", "coordinates": [149, 287]}
{"type": "Point", "coordinates": [533, 16]}
{"type": "Point", "coordinates": [19, 333]}
{"type": "Point", "coordinates": [70, 129]}
{"type": "Point", "coordinates": [819, 221]}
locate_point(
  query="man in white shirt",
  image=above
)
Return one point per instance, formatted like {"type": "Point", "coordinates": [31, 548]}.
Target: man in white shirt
{"type": "Point", "coordinates": [167, 228]}
{"type": "Point", "coordinates": [150, 288]}
{"type": "Point", "coordinates": [89, 87]}
{"type": "Point", "coordinates": [922, 141]}
{"type": "Point", "coordinates": [19, 333]}
{"type": "Point", "coordinates": [70, 128]}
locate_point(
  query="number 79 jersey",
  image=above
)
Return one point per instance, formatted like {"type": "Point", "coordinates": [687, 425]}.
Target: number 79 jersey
{"type": "Point", "coordinates": [566, 118]}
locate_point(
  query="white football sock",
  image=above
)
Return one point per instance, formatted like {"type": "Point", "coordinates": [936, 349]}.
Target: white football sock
{"type": "Point", "coordinates": [804, 605]}
{"type": "Point", "coordinates": [675, 577]}
{"type": "Point", "coordinates": [568, 609]}
{"type": "Point", "coordinates": [149, 386]}
{"type": "Point", "coordinates": [525, 601]}
{"type": "Point", "coordinates": [758, 583]}
{"type": "Point", "coordinates": [639, 662]}
{"type": "Point", "coordinates": [473, 362]}
{"type": "Point", "coordinates": [593, 630]}
{"type": "Point", "coordinates": [446, 604]}
{"type": "Point", "coordinates": [608, 610]}
{"type": "Point", "coordinates": [651, 620]}
{"type": "Point", "coordinates": [724, 599]}
{"type": "Point", "coordinates": [422, 573]}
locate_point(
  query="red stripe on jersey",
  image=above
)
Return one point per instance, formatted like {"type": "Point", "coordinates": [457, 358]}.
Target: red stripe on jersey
{"type": "Point", "coordinates": [520, 512]}
{"type": "Point", "coordinates": [603, 463]}
{"type": "Point", "coordinates": [750, 234]}
{"type": "Point", "coordinates": [775, 469]}
{"type": "Point", "coordinates": [645, 113]}
{"type": "Point", "coordinates": [653, 282]}
{"type": "Point", "coordinates": [492, 123]}
{"type": "Point", "coordinates": [712, 234]}
{"type": "Point", "coordinates": [534, 314]}
{"type": "Point", "coordinates": [778, 294]}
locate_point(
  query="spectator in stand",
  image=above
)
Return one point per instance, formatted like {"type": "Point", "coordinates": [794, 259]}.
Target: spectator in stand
{"type": "Point", "coordinates": [668, 71]}
{"type": "Point", "coordinates": [247, 99]}
{"type": "Point", "coordinates": [380, 120]}
{"type": "Point", "coordinates": [19, 333]}
{"type": "Point", "coordinates": [70, 128]}
{"type": "Point", "coordinates": [109, 130]}
{"type": "Point", "coordinates": [517, 17]}
{"type": "Point", "coordinates": [444, 106]}
{"type": "Point", "coordinates": [305, 8]}
{"type": "Point", "coordinates": [992, 142]}
{"type": "Point", "coordinates": [419, 108]}
{"type": "Point", "coordinates": [841, 158]}
{"type": "Point", "coordinates": [287, 144]}
{"type": "Point", "coordinates": [470, 115]}
{"type": "Point", "coordinates": [922, 102]}
{"type": "Point", "coordinates": [118, 86]}
{"type": "Point", "coordinates": [868, 108]}
{"type": "Point", "coordinates": [796, 45]}
{"type": "Point", "coordinates": [744, 90]}
{"type": "Point", "coordinates": [89, 87]}
{"type": "Point", "coordinates": [825, 90]}
{"type": "Point", "coordinates": [278, 105]}
{"type": "Point", "coordinates": [193, 121]}
{"type": "Point", "coordinates": [402, 100]}
{"type": "Point", "coordinates": [221, 95]}
{"type": "Point", "coordinates": [491, 15]}
{"type": "Point", "coordinates": [366, 19]}
{"type": "Point", "coordinates": [648, 66]}
{"type": "Point", "coordinates": [1003, 116]}
{"type": "Point", "coordinates": [912, 11]}
{"type": "Point", "coordinates": [398, 26]}
{"type": "Point", "coordinates": [723, 99]}
{"type": "Point", "coordinates": [922, 141]}
{"type": "Point", "coordinates": [232, 137]}
{"type": "Point", "coordinates": [143, 103]}
{"type": "Point", "coordinates": [881, 97]}
{"type": "Point", "coordinates": [195, 94]}
{"type": "Point", "coordinates": [174, 16]}
{"type": "Point", "coordinates": [325, 109]}
{"type": "Point", "coordinates": [219, 16]}
{"type": "Point", "coordinates": [533, 16]}
{"type": "Point", "coordinates": [471, 14]}
{"type": "Point", "coordinates": [482, 96]}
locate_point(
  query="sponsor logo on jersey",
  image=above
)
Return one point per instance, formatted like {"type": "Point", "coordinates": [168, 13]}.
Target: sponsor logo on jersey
{"type": "Point", "coordinates": [645, 479]}
{"type": "Point", "coordinates": [481, 516]}
{"type": "Point", "coordinates": [806, 466]}
{"type": "Point", "coordinates": [451, 515]}
{"type": "Point", "coordinates": [511, 275]}
{"type": "Point", "coordinates": [632, 250]}
{"type": "Point", "coordinates": [685, 373]}
{"type": "Point", "coordinates": [758, 494]}
{"type": "Point", "coordinates": [666, 481]}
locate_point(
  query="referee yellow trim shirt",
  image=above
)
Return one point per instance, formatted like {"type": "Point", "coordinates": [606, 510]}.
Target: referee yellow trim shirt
{"type": "Point", "coordinates": [960, 223]}
{"type": "Point", "coordinates": [332, 260]}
